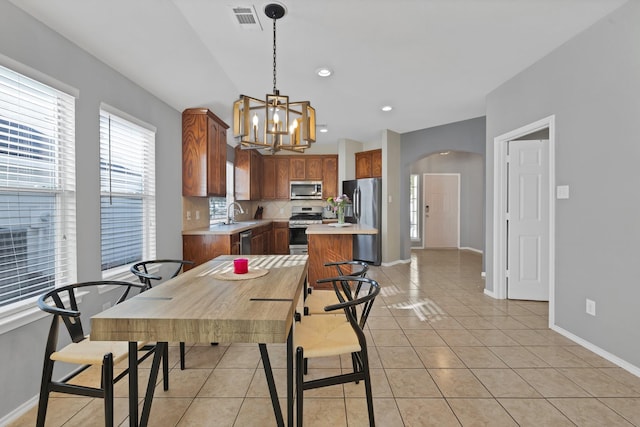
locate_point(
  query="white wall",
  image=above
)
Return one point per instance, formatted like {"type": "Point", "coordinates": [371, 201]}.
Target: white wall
{"type": "Point", "coordinates": [27, 41]}
{"type": "Point", "coordinates": [592, 86]}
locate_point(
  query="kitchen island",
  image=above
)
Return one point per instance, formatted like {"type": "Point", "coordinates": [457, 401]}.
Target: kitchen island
{"type": "Point", "coordinates": [330, 243]}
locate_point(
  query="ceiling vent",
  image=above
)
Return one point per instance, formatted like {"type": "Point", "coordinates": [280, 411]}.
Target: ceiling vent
{"type": "Point", "coordinates": [246, 17]}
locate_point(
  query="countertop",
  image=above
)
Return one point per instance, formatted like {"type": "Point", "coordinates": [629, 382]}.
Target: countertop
{"type": "Point", "coordinates": [223, 230]}
{"type": "Point", "coordinates": [349, 229]}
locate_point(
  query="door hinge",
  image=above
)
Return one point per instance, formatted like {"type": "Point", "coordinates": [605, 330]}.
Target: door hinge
{"type": "Point", "coordinates": [507, 158]}
{"type": "Point", "coordinates": [506, 274]}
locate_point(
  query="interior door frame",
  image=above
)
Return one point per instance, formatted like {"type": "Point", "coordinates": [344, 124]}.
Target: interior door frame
{"type": "Point", "coordinates": [500, 180]}
{"type": "Point", "coordinates": [424, 222]}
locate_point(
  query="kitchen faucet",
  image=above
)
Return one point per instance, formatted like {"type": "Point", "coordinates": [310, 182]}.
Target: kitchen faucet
{"type": "Point", "coordinates": [229, 219]}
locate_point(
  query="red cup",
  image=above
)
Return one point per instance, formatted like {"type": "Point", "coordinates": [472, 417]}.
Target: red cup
{"type": "Point", "coordinates": [240, 265]}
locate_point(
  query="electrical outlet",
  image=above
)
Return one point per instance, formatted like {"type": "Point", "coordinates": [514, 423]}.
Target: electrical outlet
{"type": "Point", "coordinates": [106, 305]}
{"type": "Point", "coordinates": [591, 307]}
{"type": "Point", "coordinates": [197, 215]}
{"type": "Point", "coordinates": [188, 215]}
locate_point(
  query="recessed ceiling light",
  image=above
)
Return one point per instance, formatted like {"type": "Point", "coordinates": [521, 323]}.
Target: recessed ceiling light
{"type": "Point", "coordinates": [323, 128]}
{"type": "Point", "coordinates": [324, 71]}
{"type": "Point", "coordinates": [387, 108]}
{"type": "Point", "coordinates": [444, 153]}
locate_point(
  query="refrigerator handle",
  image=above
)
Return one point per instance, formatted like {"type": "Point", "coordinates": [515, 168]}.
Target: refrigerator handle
{"type": "Point", "coordinates": [357, 204]}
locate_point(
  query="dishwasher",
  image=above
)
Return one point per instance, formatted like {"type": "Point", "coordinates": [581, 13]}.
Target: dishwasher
{"type": "Point", "coordinates": [245, 242]}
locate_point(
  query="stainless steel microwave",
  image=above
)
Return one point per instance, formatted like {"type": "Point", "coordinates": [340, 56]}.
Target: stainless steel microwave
{"type": "Point", "coordinates": [306, 190]}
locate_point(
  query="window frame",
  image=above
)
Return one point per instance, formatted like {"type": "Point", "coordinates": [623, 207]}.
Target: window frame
{"type": "Point", "coordinates": [148, 195]}
{"type": "Point", "coordinates": [414, 196]}
{"type": "Point", "coordinates": [23, 312]}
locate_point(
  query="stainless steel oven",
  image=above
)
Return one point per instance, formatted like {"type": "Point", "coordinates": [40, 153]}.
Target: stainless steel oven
{"type": "Point", "coordinates": [301, 218]}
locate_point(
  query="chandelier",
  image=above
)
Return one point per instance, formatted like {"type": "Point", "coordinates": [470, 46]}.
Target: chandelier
{"type": "Point", "coordinates": [274, 123]}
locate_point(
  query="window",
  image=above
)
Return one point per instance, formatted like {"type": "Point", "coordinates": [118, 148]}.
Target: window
{"type": "Point", "coordinates": [127, 191]}
{"type": "Point", "coordinates": [37, 189]}
{"type": "Point", "coordinates": [413, 208]}
{"type": "Point", "coordinates": [218, 205]}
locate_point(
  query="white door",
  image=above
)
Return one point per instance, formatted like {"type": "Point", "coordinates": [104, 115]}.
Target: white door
{"type": "Point", "coordinates": [528, 220]}
{"type": "Point", "coordinates": [441, 210]}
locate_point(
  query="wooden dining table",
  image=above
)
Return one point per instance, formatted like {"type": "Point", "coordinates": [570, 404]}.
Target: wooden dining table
{"type": "Point", "coordinates": [207, 304]}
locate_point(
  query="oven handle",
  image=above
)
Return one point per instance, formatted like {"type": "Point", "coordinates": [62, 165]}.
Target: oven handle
{"type": "Point", "coordinates": [298, 226]}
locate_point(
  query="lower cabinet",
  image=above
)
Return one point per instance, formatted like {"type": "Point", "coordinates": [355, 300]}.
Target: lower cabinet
{"type": "Point", "coordinates": [201, 248]}
{"type": "Point", "coordinates": [261, 240]}
{"type": "Point", "coordinates": [271, 238]}
{"type": "Point", "coordinates": [281, 238]}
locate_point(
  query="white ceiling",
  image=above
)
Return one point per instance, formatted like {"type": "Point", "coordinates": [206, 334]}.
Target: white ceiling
{"type": "Point", "coordinates": [434, 61]}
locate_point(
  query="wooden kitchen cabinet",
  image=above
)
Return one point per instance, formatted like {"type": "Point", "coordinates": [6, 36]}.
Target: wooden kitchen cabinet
{"type": "Point", "coordinates": [280, 238]}
{"type": "Point", "coordinates": [275, 182]}
{"type": "Point", "coordinates": [261, 240]}
{"type": "Point", "coordinates": [330, 177]}
{"type": "Point", "coordinates": [204, 154]}
{"type": "Point", "coordinates": [369, 164]}
{"type": "Point", "coordinates": [248, 174]}
{"type": "Point", "coordinates": [305, 168]}
{"type": "Point", "coordinates": [201, 248]}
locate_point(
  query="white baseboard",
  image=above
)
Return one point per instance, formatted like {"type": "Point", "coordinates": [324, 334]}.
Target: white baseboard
{"type": "Point", "coordinates": [399, 261]}
{"type": "Point", "coordinates": [489, 293]}
{"type": "Point", "coordinates": [597, 350]}
{"type": "Point", "coordinates": [19, 411]}
{"type": "Point", "coordinates": [466, 248]}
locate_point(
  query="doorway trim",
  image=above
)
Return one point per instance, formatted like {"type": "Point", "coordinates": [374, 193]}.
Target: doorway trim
{"type": "Point", "coordinates": [500, 179]}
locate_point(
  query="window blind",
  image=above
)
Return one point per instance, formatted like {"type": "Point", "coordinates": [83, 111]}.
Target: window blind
{"type": "Point", "coordinates": [37, 189]}
{"type": "Point", "coordinates": [127, 186]}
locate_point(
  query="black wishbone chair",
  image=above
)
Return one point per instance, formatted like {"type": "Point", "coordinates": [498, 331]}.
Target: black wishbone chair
{"type": "Point", "coordinates": [317, 299]}
{"type": "Point", "coordinates": [63, 304]}
{"type": "Point", "coordinates": [141, 270]}
{"type": "Point", "coordinates": [323, 336]}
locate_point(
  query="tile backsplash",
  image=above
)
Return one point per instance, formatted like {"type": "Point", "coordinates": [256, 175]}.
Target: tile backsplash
{"type": "Point", "coordinates": [195, 210]}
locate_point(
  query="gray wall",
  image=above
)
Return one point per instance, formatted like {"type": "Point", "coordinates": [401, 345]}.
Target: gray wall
{"type": "Point", "coordinates": [470, 166]}
{"type": "Point", "coordinates": [27, 41]}
{"type": "Point", "coordinates": [466, 135]}
{"type": "Point", "coordinates": [592, 86]}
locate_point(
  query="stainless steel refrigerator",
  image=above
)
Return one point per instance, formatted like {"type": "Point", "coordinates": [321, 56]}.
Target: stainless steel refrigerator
{"type": "Point", "coordinates": [366, 208]}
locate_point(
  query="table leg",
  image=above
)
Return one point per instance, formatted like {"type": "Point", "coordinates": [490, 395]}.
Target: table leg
{"type": "Point", "coordinates": [290, 378]}
{"type": "Point", "coordinates": [161, 350]}
{"type": "Point", "coordinates": [272, 385]}
{"type": "Point", "coordinates": [133, 383]}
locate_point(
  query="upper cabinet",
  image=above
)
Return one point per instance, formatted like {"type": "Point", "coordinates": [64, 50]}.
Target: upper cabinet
{"type": "Point", "coordinates": [275, 182]}
{"type": "Point", "coordinates": [369, 164]}
{"type": "Point", "coordinates": [330, 177]}
{"type": "Point", "coordinates": [248, 174]}
{"type": "Point", "coordinates": [204, 154]}
{"type": "Point", "coordinates": [305, 168]}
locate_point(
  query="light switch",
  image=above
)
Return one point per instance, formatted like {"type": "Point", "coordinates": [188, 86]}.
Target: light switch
{"type": "Point", "coordinates": [562, 192]}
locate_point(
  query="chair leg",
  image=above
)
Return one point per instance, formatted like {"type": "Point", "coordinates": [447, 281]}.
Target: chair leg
{"type": "Point", "coordinates": [182, 356]}
{"type": "Point", "coordinates": [300, 361]}
{"type": "Point", "coordinates": [107, 381]}
{"type": "Point", "coordinates": [356, 367]}
{"type": "Point", "coordinates": [367, 386]}
{"type": "Point", "coordinates": [47, 372]}
{"type": "Point", "coordinates": [165, 367]}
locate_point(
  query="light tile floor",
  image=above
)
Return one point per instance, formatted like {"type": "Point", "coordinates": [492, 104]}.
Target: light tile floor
{"type": "Point", "coordinates": [442, 353]}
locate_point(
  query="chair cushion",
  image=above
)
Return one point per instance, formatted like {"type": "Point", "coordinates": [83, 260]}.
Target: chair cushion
{"type": "Point", "coordinates": [87, 352]}
{"type": "Point", "coordinates": [322, 336]}
{"type": "Point", "coordinates": [318, 299]}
